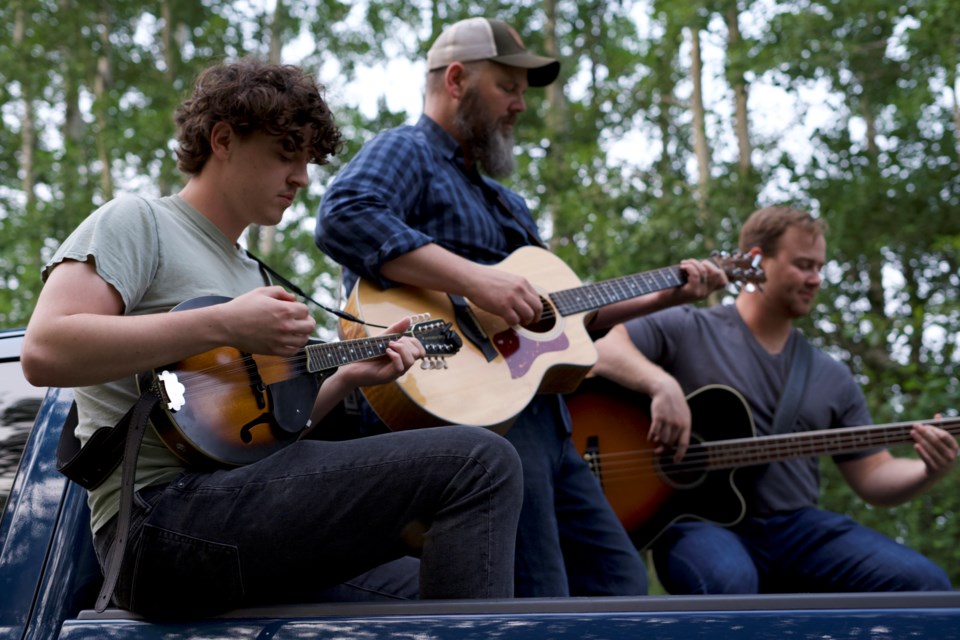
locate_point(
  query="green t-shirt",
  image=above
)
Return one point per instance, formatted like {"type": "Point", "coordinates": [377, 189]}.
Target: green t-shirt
{"type": "Point", "coordinates": [156, 253]}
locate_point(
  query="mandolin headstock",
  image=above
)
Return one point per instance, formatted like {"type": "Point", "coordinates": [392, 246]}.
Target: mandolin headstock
{"type": "Point", "coordinates": [439, 340]}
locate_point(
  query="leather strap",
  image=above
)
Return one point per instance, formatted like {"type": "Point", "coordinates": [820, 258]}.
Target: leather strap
{"type": "Point", "coordinates": [138, 424]}
{"type": "Point", "coordinates": [789, 406]}
{"type": "Point", "coordinates": [300, 292]}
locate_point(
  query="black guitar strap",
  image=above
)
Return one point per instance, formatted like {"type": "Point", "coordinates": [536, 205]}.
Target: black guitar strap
{"type": "Point", "coordinates": [789, 406]}
{"type": "Point", "coordinates": [300, 292]}
{"type": "Point", "coordinates": [90, 465]}
{"type": "Point", "coordinates": [138, 417]}
{"type": "Point", "coordinates": [492, 194]}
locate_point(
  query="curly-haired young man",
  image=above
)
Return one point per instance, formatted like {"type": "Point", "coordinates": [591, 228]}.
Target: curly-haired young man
{"type": "Point", "coordinates": [310, 515]}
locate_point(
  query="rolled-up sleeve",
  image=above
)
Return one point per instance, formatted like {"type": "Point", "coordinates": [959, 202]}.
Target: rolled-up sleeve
{"type": "Point", "coordinates": [363, 220]}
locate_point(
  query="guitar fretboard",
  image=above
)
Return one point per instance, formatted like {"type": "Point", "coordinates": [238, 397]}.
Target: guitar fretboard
{"type": "Point", "coordinates": [333, 354]}
{"type": "Point", "coordinates": [593, 296]}
{"type": "Point", "coordinates": [726, 454]}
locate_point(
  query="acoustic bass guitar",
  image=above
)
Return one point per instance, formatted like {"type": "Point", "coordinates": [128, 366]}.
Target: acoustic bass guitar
{"type": "Point", "coordinates": [649, 492]}
{"type": "Point", "coordinates": [225, 407]}
{"type": "Point", "coordinates": [501, 367]}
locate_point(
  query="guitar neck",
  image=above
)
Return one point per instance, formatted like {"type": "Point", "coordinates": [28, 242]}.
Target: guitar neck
{"type": "Point", "coordinates": [593, 296]}
{"type": "Point", "coordinates": [330, 355]}
{"type": "Point", "coordinates": [726, 454]}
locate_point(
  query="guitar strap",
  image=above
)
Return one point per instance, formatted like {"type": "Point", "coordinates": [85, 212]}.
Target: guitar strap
{"type": "Point", "coordinates": [300, 292]}
{"type": "Point", "coordinates": [90, 465]}
{"type": "Point", "coordinates": [492, 194]}
{"type": "Point", "coordinates": [789, 406]}
{"type": "Point", "coordinates": [139, 415]}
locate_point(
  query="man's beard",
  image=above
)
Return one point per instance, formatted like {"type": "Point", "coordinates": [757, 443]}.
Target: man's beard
{"type": "Point", "coordinates": [482, 136]}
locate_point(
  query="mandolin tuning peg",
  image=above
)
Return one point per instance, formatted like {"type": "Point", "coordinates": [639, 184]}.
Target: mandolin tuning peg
{"type": "Point", "coordinates": [433, 363]}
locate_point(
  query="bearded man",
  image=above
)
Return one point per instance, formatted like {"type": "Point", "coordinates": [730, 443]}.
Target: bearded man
{"type": "Point", "coordinates": [414, 208]}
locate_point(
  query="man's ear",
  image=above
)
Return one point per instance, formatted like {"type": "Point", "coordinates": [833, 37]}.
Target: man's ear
{"type": "Point", "coordinates": [221, 139]}
{"type": "Point", "coordinates": [454, 79]}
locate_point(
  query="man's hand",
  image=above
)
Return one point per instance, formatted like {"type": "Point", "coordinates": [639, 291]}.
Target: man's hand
{"type": "Point", "coordinates": [398, 358]}
{"type": "Point", "coordinates": [670, 420]}
{"type": "Point", "coordinates": [936, 447]}
{"type": "Point", "coordinates": [267, 320]}
{"type": "Point", "coordinates": [703, 278]}
{"type": "Point", "coordinates": [505, 294]}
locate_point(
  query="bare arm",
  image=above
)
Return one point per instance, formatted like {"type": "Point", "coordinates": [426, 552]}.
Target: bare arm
{"type": "Point", "coordinates": [78, 334]}
{"type": "Point", "coordinates": [619, 360]}
{"type": "Point", "coordinates": [884, 480]}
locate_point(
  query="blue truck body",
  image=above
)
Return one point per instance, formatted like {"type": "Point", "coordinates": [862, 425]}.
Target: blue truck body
{"type": "Point", "coordinates": [49, 578]}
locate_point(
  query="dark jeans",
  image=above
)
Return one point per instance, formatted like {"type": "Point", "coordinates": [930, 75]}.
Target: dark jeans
{"type": "Point", "coordinates": [317, 514]}
{"type": "Point", "coordinates": [569, 541]}
{"type": "Point", "coordinates": [809, 550]}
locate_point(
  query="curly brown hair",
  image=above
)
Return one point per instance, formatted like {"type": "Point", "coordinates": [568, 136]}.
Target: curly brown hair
{"type": "Point", "coordinates": [765, 226]}
{"type": "Point", "coordinates": [251, 96]}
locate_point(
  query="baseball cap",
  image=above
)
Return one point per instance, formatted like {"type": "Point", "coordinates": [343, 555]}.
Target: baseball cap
{"type": "Point", "coordinates": [487, 39]}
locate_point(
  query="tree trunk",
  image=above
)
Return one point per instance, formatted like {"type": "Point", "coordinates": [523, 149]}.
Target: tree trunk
{"type": "Point", "coordinates": [700, 146]}
{"type": "Point", "coordinates": [27, 126]}
{"type": "Point", "coordinates": [556, 117]}
{"type": "Point", "coordinates": [736, 78]}
{"type": "Point", "coordinates": [100, 91]}
{"type": "Point", "coordinates": [261, 239]}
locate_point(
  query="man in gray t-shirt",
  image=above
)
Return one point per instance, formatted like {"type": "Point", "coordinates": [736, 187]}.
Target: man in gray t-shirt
{"type": "Point", "coordinates": [782, 542]}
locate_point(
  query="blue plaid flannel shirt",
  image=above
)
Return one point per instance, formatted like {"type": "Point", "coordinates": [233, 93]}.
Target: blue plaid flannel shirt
{"type": "Point", "coordinates": [409, 187]}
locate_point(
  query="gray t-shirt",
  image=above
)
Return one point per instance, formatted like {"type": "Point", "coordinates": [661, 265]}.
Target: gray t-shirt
{"type": "Point", "coordinates": [713, 346]}
{"type": "Point", "coordinates": [156, 253]}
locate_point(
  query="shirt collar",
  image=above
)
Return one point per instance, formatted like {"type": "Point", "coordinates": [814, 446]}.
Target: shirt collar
{"type": "Point", "coordinates": [438, 137]}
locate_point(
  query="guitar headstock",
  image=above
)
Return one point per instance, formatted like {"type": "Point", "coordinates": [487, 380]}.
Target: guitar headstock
{"type": "Point", "coordinates": [741, 267]}
{"type": "Point", "coordinates": [439, 340]}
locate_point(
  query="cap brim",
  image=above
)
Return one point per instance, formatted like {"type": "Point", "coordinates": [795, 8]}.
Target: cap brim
{"type": "Point", "coordinates": [541, 71]}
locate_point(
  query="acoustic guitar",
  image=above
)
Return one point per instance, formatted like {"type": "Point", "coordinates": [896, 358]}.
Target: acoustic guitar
{"type": "Point", "coordinates": [224, 407]}
{"type": "Point", "coordinates": [501, 367]}
{"type": "Point", "coordinates": [649, 492]}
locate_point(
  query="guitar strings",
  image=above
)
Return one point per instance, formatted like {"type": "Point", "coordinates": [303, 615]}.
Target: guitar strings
{"type": "Point", "coordinates": [221, 375]}
{"type": "Point", "coordinates": [642, 464]}
{"type": "Point", "coordinates": [738, 267]}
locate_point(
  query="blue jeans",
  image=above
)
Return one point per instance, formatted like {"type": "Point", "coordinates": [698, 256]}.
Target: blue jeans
{"type": "Point", "coordinates": [808, 550]}
{"type": "Point", "coordinates": [316, 514]}
{"type": "Point", "coordinates": [569, 541]}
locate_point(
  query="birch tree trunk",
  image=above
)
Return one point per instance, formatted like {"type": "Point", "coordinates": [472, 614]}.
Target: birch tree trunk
{"type": "Point", "coordinates": [101, 87]}
{"type": "Point", "coordinates": [700, 146]}
{"type": "Point", "coordinates": [27, 125]}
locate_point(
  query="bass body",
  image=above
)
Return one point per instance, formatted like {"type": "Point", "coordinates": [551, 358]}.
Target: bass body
{"type": "Point", "coordinates": [649, 492]}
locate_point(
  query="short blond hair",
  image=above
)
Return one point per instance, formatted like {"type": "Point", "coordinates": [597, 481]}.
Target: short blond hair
{"type": "Point", "coordinates": [765, 226]}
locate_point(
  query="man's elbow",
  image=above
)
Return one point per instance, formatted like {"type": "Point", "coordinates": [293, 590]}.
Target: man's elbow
{"type": "Point", "coordinates": [38, 364]}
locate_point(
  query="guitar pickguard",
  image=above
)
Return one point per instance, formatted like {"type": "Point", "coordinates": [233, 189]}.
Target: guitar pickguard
{"type": "Point", "coordinates": [520, 352]}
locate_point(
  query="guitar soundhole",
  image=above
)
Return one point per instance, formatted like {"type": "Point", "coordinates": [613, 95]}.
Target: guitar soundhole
{"type": "Point", "coordinates": [548, 319]}
{"type": "Point", "coordinates": [687, 473]}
